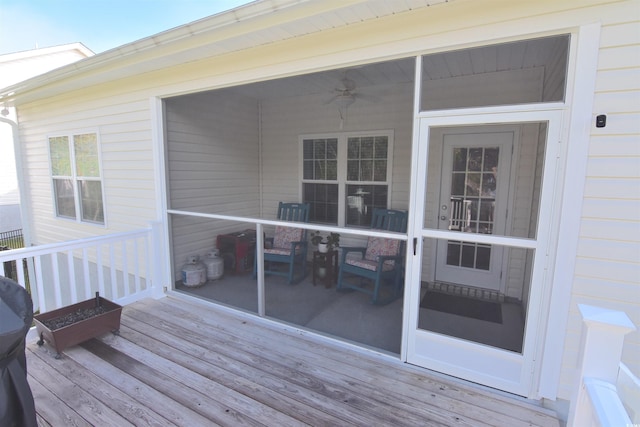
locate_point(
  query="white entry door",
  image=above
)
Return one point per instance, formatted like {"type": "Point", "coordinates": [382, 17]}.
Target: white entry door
{"type": "Point", "coordinates": [483, 207]}
{"type": "Point", "coordinates": [474, 197]}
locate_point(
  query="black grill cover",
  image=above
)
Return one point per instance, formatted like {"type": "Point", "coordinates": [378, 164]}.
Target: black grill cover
{"type": "Point", "coordinates": [16, 314]}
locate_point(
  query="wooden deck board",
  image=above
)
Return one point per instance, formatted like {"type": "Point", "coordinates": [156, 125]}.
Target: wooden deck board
{"type": "Point", "coordinates": [95, 386]}
{"type": "Point", "coordinates": [183, 363]}
{"type": "Point", "coordinates": [294, 368]}
{"type": "Point", "coordinates": [231, 374]}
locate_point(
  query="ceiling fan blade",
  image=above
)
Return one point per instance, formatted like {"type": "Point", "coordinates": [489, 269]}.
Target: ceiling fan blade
{"type": "Point", "coordinates": [366, 97]}
{"type": "Point", "coordinates": [332, 99]}
{"type": "Point", "coordinates": [348, 84]}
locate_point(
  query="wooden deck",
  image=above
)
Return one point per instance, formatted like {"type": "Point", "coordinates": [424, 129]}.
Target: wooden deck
{"type": "Point", "coordinates": [187, 364]}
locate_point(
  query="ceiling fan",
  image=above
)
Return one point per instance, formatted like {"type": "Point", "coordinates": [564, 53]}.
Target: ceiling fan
{"type": "Point", "coordinates": [345, 96]}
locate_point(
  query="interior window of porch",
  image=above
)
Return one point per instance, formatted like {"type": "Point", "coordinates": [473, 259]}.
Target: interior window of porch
{"type": "Point", "coordinates": [320, 179]}
{"type": "Point", "coordinates": [346, 177]}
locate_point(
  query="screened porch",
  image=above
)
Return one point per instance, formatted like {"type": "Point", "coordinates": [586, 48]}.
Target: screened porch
{"type": "Point", "coordinates": [344, 141]}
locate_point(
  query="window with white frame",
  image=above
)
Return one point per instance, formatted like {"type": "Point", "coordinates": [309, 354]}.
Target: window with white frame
{"type": "Point", "coordinates": [76, 175]}
{"type": "Point", "coordinates": [345, 176]}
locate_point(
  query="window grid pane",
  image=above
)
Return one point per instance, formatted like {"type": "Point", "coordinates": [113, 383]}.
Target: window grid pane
{"type": "Point", "coordinates": [367, 158]}
{"type": "Point", "coordinates": [362, 200]}
{"type": "Point", "coordinates": [323, 199]}
{"type": "Point", "coordinates": [320, 159]}
{"type": "Point", "coordinates": [60, 156]}
{"type": "Point", "coordinates": [91, 201]}
{"type": "Point", "coordinates": [65, 203]}
{"type": "Point", "coordinates": [86, 153]}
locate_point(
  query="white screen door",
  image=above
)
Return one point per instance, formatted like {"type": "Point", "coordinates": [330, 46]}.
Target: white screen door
{"type": "Point", "coordinates": [483, 195]}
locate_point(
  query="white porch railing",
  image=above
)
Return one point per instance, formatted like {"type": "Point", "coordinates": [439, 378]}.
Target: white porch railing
{"type": "Point", "coordinates": [606, 393]}
{"type": "Point", "coordinates": [123, 267]}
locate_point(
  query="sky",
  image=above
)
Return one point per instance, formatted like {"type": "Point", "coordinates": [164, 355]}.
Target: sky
{"type": "Point", "coordinates": [98, 24]}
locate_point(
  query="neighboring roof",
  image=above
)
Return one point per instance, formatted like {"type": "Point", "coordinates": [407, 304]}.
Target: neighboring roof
{"type": "Point", "coordinates": [254, 24]}
{"type": "Point", "coordinates": [20, 66]}
{"type": "Point", "coordinates": [26, 54]}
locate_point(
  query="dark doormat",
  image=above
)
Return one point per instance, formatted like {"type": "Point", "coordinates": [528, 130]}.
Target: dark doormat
{"type": "Point", "coordinates": [462, 306]}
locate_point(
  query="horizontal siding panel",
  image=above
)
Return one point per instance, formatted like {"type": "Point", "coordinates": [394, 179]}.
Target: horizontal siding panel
{"type": "Point", "coordinates": [611, 250]}
{"type": "Point", "coordinates": [604, 188]}
{"type": "Point", "coordinates": [618, 102]}
{"type": "Point", "coordinates": [607, 270]}
{"type": "Point", "coordinates": [126, 139]}
{"type": "Point", "coordinates": [610, 291]}
{"type": "Point", "coordinates": [614, 230]}
{"type": "Point", "coordinates": [621, 34]}
{"type": "Point", "coordinates": [612, 209]}
{"type": "Point", "coordinates": [619, 57]}
{"type": "Point", "coordinates": [618, 80]}
{"type": "Point", "coordinates": [131, 175]}
{"type": "Point", "coordinates": [615, 167]}
{"type": "Point", "coordinates": [614, 146]}
{"type": "Point", "coordinates": [127, 183]}
{"type": "Point", "coordinates": [56, 123]}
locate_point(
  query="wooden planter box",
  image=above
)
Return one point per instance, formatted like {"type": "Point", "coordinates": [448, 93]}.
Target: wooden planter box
{"type": "Point", "coordinates": [81, 330]}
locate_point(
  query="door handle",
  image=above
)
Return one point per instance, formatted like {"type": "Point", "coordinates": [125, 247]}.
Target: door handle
{"type": "Point", "coordinates": [415, 245]}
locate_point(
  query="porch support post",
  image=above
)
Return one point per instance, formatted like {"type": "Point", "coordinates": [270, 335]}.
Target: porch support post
{"type": "Point", "coordinates": [595, 396]}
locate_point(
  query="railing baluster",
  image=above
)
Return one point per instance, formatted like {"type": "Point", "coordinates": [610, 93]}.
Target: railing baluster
{"type": "Point", "coordinates": [150, 268]}
{"type": "Point", "coordinates": [86, 275]}
{"type": "Point", "coordinates": [20, 269]}
{"type": "Point", "coordinates": [125, 268]}
{"type": "Point", "coordinates": [56, 279]}
{"type": "Point", "coordinates": [100, 268]}
{"type": "Point", "coordinates": [40, 283]}
{"type": "Point", "coordinates": [72, 276]}
{"type": "Point", "coordinates": [112, 267]}
{"type": "Point", "coordinates": [136, 265]}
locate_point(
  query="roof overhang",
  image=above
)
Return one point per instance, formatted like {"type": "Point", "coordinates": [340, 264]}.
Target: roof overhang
{"type": "Point", "coordinates": [248, 26]}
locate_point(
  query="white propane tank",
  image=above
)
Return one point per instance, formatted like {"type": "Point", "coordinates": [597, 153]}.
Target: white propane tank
{"type": "Point", "coordinates": [194, 273]}
{"type": "Point", "coordinates": [215, 265]}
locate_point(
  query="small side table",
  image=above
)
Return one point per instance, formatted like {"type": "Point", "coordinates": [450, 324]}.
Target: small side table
{"type": "Point", "coordinates": [328, 261]}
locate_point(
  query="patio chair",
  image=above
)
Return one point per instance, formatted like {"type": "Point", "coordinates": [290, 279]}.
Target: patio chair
{"type": "Point", "coordinates": [288, 244]}
{"type": "Point", "coordinates": [380, 262]}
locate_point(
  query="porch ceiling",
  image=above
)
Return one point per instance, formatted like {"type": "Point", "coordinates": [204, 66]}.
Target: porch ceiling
{"type": "Point", "coordinates": [546, 53]}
